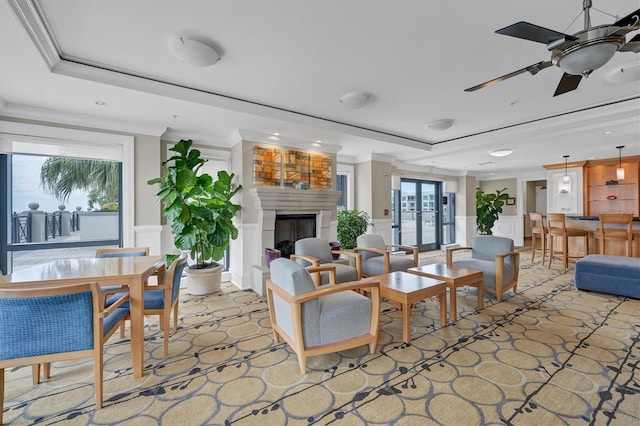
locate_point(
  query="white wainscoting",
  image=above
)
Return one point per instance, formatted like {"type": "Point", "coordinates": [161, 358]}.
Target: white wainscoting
{"type": "Point", "coordinates": [149, 236]}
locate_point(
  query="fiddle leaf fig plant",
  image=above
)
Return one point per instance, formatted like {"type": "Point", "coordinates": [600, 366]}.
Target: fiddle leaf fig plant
{"type": "Point", "coordinates": [488, 209]}
{"type": "Point", "coordinates": [200, 210]}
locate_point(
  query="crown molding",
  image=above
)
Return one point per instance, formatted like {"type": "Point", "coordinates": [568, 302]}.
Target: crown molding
{"type": "Point", "coordinates": [27, 112]}
{"type": "Point", "coordinates": [36, 27]}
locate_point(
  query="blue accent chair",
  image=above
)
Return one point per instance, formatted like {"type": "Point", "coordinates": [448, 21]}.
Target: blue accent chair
{"type": "Point", "coordinates": [320, 320]}
{"type": "Point", "coordinates": [43, 324]}
{"type": "Point", "coordinates": [161, 299]}
{"type": "Point", "coordinates": [496, 258]}
{"type": "Point", "coordinates": [317, 252]}
{"type": "Point", "coordinates": [122, 252]}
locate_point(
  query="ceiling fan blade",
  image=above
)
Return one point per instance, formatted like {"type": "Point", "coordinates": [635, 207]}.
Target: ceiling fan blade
{"type": "Point", "coordinates": [531, 69]}
{"type": "Point", "coordinates": [568, 82]}
{"type": "Point", "coordinates": [533, 32]}
{"type": "Point", "coordinates": [629, 23]}
{"type": "Point", "coordinates": [632, 45]}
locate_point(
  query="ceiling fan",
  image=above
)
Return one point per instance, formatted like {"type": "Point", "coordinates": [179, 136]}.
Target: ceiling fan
{"type": "Point", "coordinates": [579, 54]}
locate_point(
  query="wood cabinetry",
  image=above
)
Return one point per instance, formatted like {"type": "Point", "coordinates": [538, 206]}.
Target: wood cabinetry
{"type": "Point", "coordinates": [604, 193]}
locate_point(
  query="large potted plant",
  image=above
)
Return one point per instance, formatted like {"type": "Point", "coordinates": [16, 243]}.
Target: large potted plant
{"type": "Point", "coordinates": [488, 209]}
{"type": "Point", "coordinates": [201, 214]}
{"type": "Point", "coordinates": [351, 224]}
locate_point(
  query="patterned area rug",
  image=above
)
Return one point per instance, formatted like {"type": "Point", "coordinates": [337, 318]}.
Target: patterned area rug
{"type": "Point", "coordinates": [546, 355]}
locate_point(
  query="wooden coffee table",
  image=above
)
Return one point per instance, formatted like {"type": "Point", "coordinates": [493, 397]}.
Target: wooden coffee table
{"type": "Point", "coordinates": [405, 289]}
{"type": "Point", "coordinates": [455, 277]}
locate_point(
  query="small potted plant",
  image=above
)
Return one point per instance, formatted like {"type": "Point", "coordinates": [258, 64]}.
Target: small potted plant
{"type": "Point", "coordinates": [201, 214]}
{"type": "Point", "coordinates": [488, 209]}
{"type": "Point", "coordinates": [351, 224]}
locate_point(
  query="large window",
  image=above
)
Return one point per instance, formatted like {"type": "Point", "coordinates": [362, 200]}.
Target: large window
{"type": "Point", "coordinates": [57, 199]}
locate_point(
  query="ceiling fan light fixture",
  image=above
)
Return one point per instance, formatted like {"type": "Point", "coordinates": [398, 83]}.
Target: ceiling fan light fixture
{"type": "Point", "coordinates": [355, 100]}
{"type": "Point", "coordinates": [502, 152]}
{"type": "Point", "coordinates": [440, 125]}
{"type": "Point", "coordinates": [193, 52]}
{"type": "Point", "coordinates": [585, 59]}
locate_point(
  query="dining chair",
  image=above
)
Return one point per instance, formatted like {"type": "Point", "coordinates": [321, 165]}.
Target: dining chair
{"type": "Point", "coordinates": [320, 320]}
{"type": "Point", "coordinates": [536, 222]}
{"type": "Point", "coordinates": [620, 234]}
{"type": "Point", "coordinates": [310, 252]}
{"type": "Point", "coordinates": [39, 325]}
{"type": "Point", "coordinates": [161, 299]}
{"type": "Point", "coordinates": [377, 258]}
{"type": "Point", "coordinates": [557, 227]}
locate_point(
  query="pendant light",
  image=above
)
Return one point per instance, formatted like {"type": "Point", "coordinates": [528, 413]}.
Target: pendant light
{"type": "Point", "coordinates": [565, 178]}
{"type": "Point", "coordinates": [620, 169]}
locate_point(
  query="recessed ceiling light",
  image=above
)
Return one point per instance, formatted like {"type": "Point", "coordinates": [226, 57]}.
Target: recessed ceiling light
{"type": "Point", "coordinates": [276, 133]}
{"type": "Point", "coordinates": [439, 125]}
{"type": "Point", "coordinates": [318, 141]}
{"type": "Point", "coordinates": [316, 144]}
{"type": "Point", "coordinates": [608, 132]}
{"type": "Point", "coordinates": [101, 103]}
{"type": "Point", "coordinates": [503, 152]}
{"type": "Point", "coordinates": [273, 138]}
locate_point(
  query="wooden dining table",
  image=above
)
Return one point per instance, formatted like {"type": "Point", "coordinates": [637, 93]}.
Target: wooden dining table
{"type": "Point", "coordinates": [129, 271]}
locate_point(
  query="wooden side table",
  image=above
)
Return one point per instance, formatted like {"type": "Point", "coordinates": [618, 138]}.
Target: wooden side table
{"type": "Point", "coordinates": [454, 277]}
{"type": "Point", "coordinates": [405, 289]}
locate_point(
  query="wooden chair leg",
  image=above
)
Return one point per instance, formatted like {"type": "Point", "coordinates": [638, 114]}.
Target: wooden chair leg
{"type": "Point", "coordinates": [46, 370]}
{"type": "Point", "coordinates": [165, 326]}
{"type": "Point", "coordinates": [1, 394]}
{"type": "Point", "coordinates": [544, 247]}
{"type": "Point", "coordinates": [35, 374]}
{"type": "Point", "coordinates": [533, 247]}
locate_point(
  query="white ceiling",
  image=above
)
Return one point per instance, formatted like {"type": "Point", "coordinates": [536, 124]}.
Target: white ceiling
{"type": "Point", "coordinates": [285, 64]}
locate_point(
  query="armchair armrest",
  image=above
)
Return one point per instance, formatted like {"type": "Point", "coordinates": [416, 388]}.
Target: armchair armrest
{"type": "Point", "coordinates": [450, 253]}
{"type": "Point", "coordinates": [314, 271]}
{"type": "Point", "coordinates": [314, 261]}
{"type": "Point", "coordinates": [108, 310]}
{"type": "Point", "coordinates": [357, 258]}
{"type": "Point", "coordinates": [385, 253]}
{"type": "Point", "coordinates": [500, 257]}
{"type": "Point", "coordinates": [408, 248]}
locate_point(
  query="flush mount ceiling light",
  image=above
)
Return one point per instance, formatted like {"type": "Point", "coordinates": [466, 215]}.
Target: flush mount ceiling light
{"type": "Point", "coordinates": [439, 125]}
{"type": "Point", "coordinates": [620, 169]}
{"type": "Point", "coordinates": [355, 100]}
{"type": "Point", "coordinates": [503, 152]}
{"type": "Point", "coordinates": [193, 52]}
{"type": "Point", "coordinates": [565, 178]}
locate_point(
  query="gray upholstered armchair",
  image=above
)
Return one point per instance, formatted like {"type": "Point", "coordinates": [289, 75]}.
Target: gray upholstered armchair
{"type": "Point", "coordinates": [497, 260]}
{"type": "Point", "coordinates": [378, 260]}
{"type": "Point", "coordinates": [320, 320]}
{"type": "Point", "coordinates": [311, 252]}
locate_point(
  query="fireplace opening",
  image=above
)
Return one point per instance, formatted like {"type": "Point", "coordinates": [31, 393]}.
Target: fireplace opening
{"type": "Point", "coordinates": [291, 228]}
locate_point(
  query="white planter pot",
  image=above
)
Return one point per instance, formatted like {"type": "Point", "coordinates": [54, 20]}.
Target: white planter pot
{"type": "Point", "coordinates": [204, 281]}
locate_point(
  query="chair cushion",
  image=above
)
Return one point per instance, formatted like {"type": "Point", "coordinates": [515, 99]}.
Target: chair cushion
{"type": "Point", "coordinates": [317, 247]}
{"type": "Point", "coordinates": [153, 299]}
{"type": "Point", "coordinates": [486, 247]}
{"type": "Point", "coordinates": [488, 269]}
{"type": "Point", "coordinates": [375, 266]}
{"type": "Point", "coordinates": [113, 319]}
{"type": "Point", "coordinates": [342, 316]}
{"type": "Point", "coordinates": [370, 241]}
{"type": "Point", "coordinates": [344, 273]}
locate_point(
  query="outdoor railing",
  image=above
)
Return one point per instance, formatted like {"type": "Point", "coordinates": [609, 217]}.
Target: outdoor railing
{"type": "Point", "coordinates": [22, 225]}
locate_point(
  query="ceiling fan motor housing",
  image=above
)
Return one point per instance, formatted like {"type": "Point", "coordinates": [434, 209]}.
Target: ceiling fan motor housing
{"type": "Point", "coordinates": [593, 48]}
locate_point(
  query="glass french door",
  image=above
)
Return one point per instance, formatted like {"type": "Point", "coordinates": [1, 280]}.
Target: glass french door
{"type": "Point", "coordinates": [417, 214]}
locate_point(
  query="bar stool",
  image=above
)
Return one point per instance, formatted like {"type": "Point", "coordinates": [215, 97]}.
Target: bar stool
{"type": "Point", "coordinates": [557, 228]}
{"type": "Point", "coordinates": [538, 228]}
{"type": "Point", "coordinates": [616, 233]}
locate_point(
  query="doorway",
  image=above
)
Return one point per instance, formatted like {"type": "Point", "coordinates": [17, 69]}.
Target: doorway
{"type": "Point", "coordinates": [417, 215]}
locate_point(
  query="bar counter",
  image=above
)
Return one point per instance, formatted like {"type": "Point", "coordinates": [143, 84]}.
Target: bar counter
{"type": "Point", "coordinates": [592, 224]}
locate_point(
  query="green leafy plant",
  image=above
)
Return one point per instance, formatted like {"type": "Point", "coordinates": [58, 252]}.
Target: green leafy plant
{"type": "Point", "coordinates": [351, 224]}
{"type": "Point", "coordinates": [488, 209]}
{"type": "Point", "coordinates": [200, 210]}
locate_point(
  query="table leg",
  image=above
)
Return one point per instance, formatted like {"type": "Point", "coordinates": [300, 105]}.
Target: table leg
{"type": "Point", "coordinates": [443, 308]}
{"type": "Point", "coordinates": [136, 294]}
{"type": "Point", "coordinates": [453, 302]}
{"type": "Point", "coordinates": [480, 294]}
{"type": "Point", "coordinates": [406, 322]}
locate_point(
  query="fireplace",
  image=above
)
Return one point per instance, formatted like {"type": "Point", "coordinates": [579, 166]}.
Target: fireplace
{"type": "Point", "coordinates": [291, 228]}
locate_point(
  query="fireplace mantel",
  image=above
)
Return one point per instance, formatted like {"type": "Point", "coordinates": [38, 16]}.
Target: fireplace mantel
{"type": "Point", "coordinates": [289, 199]}
{"type": "Point", "coordinates": [270, 201]}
